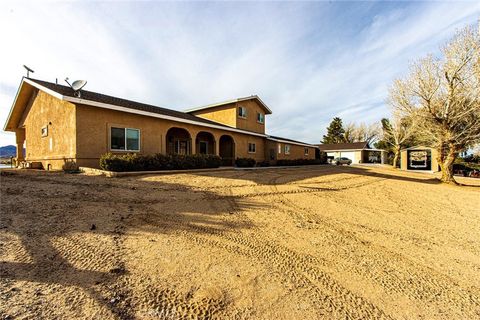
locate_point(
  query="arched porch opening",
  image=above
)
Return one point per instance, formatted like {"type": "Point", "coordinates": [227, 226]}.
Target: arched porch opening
{"type": "Point", "coordinates": [227, 150]}
{"type": "Point", "coordinates": [205, 143]}
{"type": "Point", "coordinates": [179, 141]}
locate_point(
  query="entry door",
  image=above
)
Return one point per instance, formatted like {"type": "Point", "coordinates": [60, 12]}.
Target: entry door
{"type": "Point", "coordinates": [203, 147]}
{"type": "Point", "coordinates": [182, 147]}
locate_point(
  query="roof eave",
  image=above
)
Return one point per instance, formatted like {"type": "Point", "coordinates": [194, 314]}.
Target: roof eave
{"type": "Point", "coordinates": [213, 105]}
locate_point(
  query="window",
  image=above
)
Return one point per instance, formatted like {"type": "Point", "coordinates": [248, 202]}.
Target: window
{"type": "Point", "coordinates": [306, 151]}
{"type": "Point", "coordinates": [124, 139]}
{"type": "Point", "coordinates": [44, 131]}
{"type": "Point", "coordinates": [287, 149]}
{"type": "Point", "coordinates": [260, 117]}
{"type": "Point", "coordinates": [242, 112]}
{"type": "Point", "coordinates": [279, 148]}
{"type": "Point", "coordinates": [252, 148]}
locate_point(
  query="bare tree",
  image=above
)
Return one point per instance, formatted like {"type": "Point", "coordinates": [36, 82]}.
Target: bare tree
{"type": "Point", "coordinates": [398, 133]}
{"type": "Point", "coordinates": [443, 96]}
{"type": "Point", "coordinates": [361, 132]}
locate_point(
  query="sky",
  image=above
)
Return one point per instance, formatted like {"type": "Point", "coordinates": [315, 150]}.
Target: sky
{"type": "Point", "coordinates": [308, 61]}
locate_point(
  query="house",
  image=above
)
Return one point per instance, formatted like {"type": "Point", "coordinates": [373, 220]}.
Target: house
{"type": "Point", "coordinates": [419, 158]}
{"type": "Point", "coordinates": [57, 125]}
{"type": "Point", "coordinates": [358, 152]}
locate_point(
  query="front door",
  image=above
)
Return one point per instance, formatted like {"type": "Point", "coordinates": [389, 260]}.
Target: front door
{"type": "Point", "coordinates": [203, 147]}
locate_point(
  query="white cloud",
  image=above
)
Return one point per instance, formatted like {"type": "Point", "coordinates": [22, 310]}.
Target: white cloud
{"type": "Point", "coordinates": [309, 62]}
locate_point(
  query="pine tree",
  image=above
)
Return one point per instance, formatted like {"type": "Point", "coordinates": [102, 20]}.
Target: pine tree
{"type": "Point", "coordinates": [335, 132]}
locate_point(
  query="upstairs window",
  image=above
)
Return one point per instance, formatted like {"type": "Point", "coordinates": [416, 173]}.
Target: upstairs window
{"type": "Point", "coordinates": [242, 112]}
{"type": "Point", "coordinates": [306, 151]}
{"type": "Point", "coordinates": [44, 131]}
{"type": "Point", "coordinates": [252, 148]}
{"type": "Point", "coordinates": [260, 117]}
{"type": "Point", "coordinates": [287, 149]}
{"type": "Point", "coordinates": [124, 139]}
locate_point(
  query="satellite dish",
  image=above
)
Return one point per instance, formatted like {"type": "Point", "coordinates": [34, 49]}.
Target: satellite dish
{"type": "Point", "coordinates": [78, 85]}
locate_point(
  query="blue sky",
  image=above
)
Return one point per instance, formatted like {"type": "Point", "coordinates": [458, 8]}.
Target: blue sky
{"type": "Point", "coordinates": [308, 61]}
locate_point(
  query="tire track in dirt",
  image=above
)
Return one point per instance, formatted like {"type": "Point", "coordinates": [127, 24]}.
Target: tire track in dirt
{"type": "Point", "coordinates": [301, 271]}
{"type": "Point", "coordinates": [429, 284]}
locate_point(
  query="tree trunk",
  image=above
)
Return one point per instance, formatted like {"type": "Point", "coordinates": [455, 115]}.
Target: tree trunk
{"type": "Point", "coordinates": [395, 158]}
{"type": "Point", "coordinates": [446, 158]}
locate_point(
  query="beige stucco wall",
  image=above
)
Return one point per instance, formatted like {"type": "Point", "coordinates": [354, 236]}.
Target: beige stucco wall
{"type": "Point", "coordinates": [250, 123]}
{"type": "Point", "coordinates": [60, 143]}
{"type": "Point", "coordinates": [296, 152]}
{"type": "Point", "coordinates": [225, 114]}
{"type": "Point", "coordinates": [93, 134]}
{"type": "Point", "coordinates": [228, 114]}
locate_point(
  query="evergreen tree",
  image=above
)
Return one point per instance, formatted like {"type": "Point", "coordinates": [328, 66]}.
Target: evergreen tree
{"type": "Point", "coordinates": [335, 132]}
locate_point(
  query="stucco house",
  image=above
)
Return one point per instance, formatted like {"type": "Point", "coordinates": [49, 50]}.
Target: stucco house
{"type": "Point", "coordinates": [358, 152]}
{"type": "Point", "coordinates": [56, 125]}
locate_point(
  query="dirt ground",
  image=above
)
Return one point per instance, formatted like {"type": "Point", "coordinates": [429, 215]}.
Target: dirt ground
{"type": "Point", "coordinates": [302, 243]}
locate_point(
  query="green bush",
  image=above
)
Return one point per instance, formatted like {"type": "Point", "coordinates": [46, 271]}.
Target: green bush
{"type": "Point", "coordinates": [134, 162]}
{"type": "Point", "coordinates": [298, 162]}
{"type": "Point", "coordinates": [322, 158]}
{"type": "Point", "coordinates": [263, 164]}
{"type": "Point", "coordinates": [245, 162]}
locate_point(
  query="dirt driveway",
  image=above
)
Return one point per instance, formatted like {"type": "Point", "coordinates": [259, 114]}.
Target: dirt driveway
{"type": "Point", "coordinates": [309, 243]}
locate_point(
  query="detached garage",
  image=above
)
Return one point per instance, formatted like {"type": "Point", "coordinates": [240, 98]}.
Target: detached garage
{"type": "Point", "coordinates": [358, 152]}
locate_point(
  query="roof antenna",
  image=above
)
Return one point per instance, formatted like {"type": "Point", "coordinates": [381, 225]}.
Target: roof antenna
{"type": "Point", "coordinates": [28, 71]}
{"type": "Point", "coordinates": [76, 86]}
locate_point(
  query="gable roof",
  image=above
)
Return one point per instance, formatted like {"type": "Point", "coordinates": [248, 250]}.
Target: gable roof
{"type": "Point", "coordinates": [213, 105]}
{"type": "Point", "coordinates": [285, 140]}
{"type": "Point", "coordinates": [103, 98]}
{"type": "Point", "coordinates": [109, 102]}
{"type": "Point", "coordinates": [343, 146]}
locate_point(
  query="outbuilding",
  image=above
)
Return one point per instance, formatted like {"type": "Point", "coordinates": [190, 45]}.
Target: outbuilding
{"type": "Point", "coordinates": [419, 158]}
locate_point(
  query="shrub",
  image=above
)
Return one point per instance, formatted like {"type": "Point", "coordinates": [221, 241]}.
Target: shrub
{"type": "Point", "coordinates": [298, 162]}
{"type": "Point", "coordinates": [263, 164]}
{"type": "Point", "coordinates": [245, 162]}
{"type": "Point", "coordinates": [134, 162]}
{"type": "Point", "coordinates": [323, 157]}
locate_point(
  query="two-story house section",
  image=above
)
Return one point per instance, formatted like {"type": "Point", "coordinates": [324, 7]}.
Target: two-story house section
{"type": "Point", "coordinates": [243, 113]}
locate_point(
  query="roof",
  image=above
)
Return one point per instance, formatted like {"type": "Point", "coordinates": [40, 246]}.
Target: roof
{"type": "Point", "coordinates": [109, 102]}
{"type": "Point", "coordinates": [285, 140]}
{"type": "Point", "coordinates": [218, 104]}
{"type": "Point", "coordinates": [420, 147]}
{"type": "Point", "coordinates": [343, 146]}
{"type": "Point", "coordinates": [98, 97]}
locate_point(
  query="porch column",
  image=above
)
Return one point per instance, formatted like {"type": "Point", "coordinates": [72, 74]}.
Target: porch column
{"type": "Point", "coordinates": [193, 146]}
{"type": "Point", "coordinates": [20, 140]}
{"type": "Point", "coordinates": [217, 146]}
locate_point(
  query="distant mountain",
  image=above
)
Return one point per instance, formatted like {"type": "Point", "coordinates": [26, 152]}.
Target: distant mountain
{"type": "Point", "coordinates": [8, 151]}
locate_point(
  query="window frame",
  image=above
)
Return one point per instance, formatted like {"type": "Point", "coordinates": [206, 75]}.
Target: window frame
{"type": "Point", "coordinates": [306, 151]}
{"type": "Point", "coordinates": [241, 115]}
{"type": "Point", "coordinates": [287, 146]}
{"type": "Point", "coordinates": [126, 144]}
{"type": "Point", "coordinates": [279, 148]}
{"type": "Point", "coordinates": [254, 147]}
{"type": "Point", "coordinates": [262, 118]}
{"type": "Point", "coordinates": [44, 133]}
